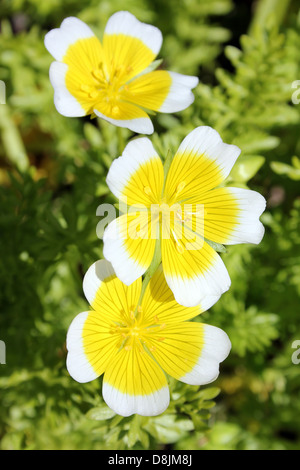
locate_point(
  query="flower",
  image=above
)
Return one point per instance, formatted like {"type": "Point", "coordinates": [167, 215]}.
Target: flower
{"type": "Point", "coordinates": [115, 80]}
{"type": "Point", "coordinates": [133, 342]}
{"type": "Point", "coordinates": [201, 212]}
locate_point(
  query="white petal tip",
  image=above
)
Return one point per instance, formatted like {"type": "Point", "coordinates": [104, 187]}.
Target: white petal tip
{"type": "Point", "coordinates": [145, 405]}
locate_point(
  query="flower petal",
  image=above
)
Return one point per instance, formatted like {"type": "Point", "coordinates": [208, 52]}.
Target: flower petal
{"type": "Point", "coordinates": [190, 351]}
{"type": "Point", "coordinates": [161, 91]}
{"type": "Point", "coordinates": [74, 78]}
{"type": "Point", "coordinates": [129, 246]}
{"type": "Point", "coordinates": [195, 276]}
{"type": "Point", "coordinates": [125, 115]}
{"type": "Point", "coordinates": [91, 346]}
{"type": "Point", "coordinates": [149, 90]}
{"type": "Point", "coordinates": [159, 305]}
{"type": "Point", "coordinates": [216, 347]}
{"type": "Point", "coordinates": [134, 383]}
{"type": "Point", "coordinates": [58, 40]}
{"type": "Point", "coordinates": [130, 46]}
{"type": "Point", "coordinates": [108, 295]}
{"type": "Point", "coordinates": [136, 177]}
{"type": "Point", "coordinates": [232, 215]}
{"type": "Point", "coordinates": [201, 163]}
{"type": "Point", "coordinates": [65, 103]}
{"type": "Point", "coordinates": [179, 96]}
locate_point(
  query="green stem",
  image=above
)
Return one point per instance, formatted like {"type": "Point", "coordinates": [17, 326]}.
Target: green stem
{"type": "Point", "coordinates": [265, 8]}
{"type": "Point", "coordinates": [156, 260]}
{"type": "Point", "coordinates": [167, 165]}
{"type": "Point", "coordinates": [121, 143]}
{"type": "Point", "coordinates": [12, 142]}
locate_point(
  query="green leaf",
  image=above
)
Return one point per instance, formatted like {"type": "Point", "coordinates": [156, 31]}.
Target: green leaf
{"type": "Point", "coordinates": [100, 413]}
{"type": "Point", "coordinates": [246, 168]}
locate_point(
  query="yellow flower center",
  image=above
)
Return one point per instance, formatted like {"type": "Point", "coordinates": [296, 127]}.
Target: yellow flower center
{"type": "Point", "coordinates": [136, 333]}
{"type": "Point", "coordinates": [107, 87]}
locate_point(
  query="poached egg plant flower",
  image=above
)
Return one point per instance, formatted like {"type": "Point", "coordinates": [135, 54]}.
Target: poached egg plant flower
{"type": "Point", "coordinates": [202, 211]}
{"type": "Point", "coordinates": [115, 79]}
{"type": "Point", "coordinates": [133, 341]}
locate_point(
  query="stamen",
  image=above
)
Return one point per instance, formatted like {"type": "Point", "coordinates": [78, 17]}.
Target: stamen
{"type": "Point", "coordinates": [180, 187]}
{"type": "Point", "coordinates": [93, 94]}
{"type": "Point", "coordinates": [98, 74]}
{"type": "Point", "coordinates": [178, 215]}
{"type": "Point", "coordinates": [147, 190]}
{"type": "Point", "coordinates": [86, 88]}
{"type": "Point", "coordinates": [140, 309]}
{"type": "Point", "coordinates": [179, 247]}
{"type": "Point", "coordinates": [115, 110]}
{"type": "Point", "coordinates": [128, 348]}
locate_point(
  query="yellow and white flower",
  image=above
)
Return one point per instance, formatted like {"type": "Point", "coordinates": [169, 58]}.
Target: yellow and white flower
{"type": "Point", "coordinates": [193, 269]}
{"type": "Point", "coordinates": [132, 344]}
{"type": "Point", "coordinates": [115, 79]}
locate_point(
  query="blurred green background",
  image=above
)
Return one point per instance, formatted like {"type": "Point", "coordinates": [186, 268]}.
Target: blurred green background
{"type": "Point", "coordinates": [52, 179]}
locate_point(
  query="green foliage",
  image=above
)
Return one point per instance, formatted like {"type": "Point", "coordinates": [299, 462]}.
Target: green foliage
{"type": "Point", "coordinates": [52, 176]}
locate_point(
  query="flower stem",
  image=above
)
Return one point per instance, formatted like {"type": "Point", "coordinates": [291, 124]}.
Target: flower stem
{"type": "Point", "coordinates": [155, 263]}
{"type": "Point", "coordinates": [12, 140]}
{"type": "Point", "coordinates": [167, 165]}
{"type": "Point", "coordinates": [120, 140]}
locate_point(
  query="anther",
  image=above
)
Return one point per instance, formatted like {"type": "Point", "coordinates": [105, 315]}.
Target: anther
{"type": "Point", "coordinates": [97, 74]}
{"type": "Point", "coordinates": [147, 190]}
{"type": "Point", "coordinates": [179, 248]}
{"type": "Point", "coordinates": [115, 110]}
{"type": "Point", "coordinates": [140, 309]}
{"type": "Point", "coordinates": [93, 94]}
{"type": "Point", "coordinates": [85, 88]}
{"type": "Point", "coordinates": [180, 187]}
